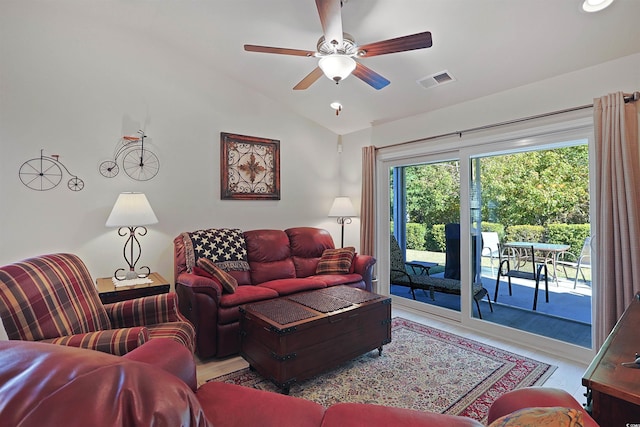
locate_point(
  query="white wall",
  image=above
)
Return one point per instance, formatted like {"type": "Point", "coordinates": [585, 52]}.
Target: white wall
{"type": "Point", "coordinates": [74, 87]}
{"type": "Point", "coordinates": [558, 93]}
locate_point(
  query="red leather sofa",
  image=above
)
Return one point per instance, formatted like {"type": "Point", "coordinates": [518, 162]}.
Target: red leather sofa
{"type": "Point", "coordinates": [281, 263]}
{"type": "Point", "coordinates": [45, 385]}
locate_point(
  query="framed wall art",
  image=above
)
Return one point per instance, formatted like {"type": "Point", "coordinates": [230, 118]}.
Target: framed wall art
{"type": "Point", "coordinates": [249, 167]}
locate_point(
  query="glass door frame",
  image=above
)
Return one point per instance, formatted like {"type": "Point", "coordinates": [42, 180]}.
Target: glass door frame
{"type": "Point", "coordinates": [545, 133]}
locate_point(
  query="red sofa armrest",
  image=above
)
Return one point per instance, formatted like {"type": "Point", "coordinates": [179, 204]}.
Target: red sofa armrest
{"type": "Point", "coordinates": [363, 265]}
{"type": "Point", "coordinates": [169, 355]}
{"type": "Point", "coordinates": [199, 301]}
{"type": "Point", "coordinates": [201, 284]}
{"type": "Point", "coordinates": [536, 397]}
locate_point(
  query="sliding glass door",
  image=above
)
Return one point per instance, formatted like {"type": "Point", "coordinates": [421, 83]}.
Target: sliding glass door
{"type": "Point", "coordinates": [501, 229]}
{"type": "Point", "coordinates": [425, 206]}
{"type": "Point", "coordinates": [531, 209]}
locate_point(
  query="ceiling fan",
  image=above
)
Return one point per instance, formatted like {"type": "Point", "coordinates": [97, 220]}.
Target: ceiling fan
{"type": "Point", "coordinates": [337, 50]}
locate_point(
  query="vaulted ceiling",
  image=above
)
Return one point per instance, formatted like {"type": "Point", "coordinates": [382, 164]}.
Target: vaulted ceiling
{"type": "Point", "coordinates": [487, 46]}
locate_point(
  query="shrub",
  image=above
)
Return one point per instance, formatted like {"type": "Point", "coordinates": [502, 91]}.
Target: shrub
{"type": "Point", "coordinates": [524, 233]}
{"type": "Point", "coordinates": [568, 234]}
{"type": "Point", "coordinates": [416, 236]}
{"type": "Point", "coordinates": [435, 240]}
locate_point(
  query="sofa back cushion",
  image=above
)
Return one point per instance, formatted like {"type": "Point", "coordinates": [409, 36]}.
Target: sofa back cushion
{"type": "Point", "coordinates": [307, 245]}
{"type": "Point", "coordinates": [48, 297]}
{"type": "Point", "coordinates": [269, 255]}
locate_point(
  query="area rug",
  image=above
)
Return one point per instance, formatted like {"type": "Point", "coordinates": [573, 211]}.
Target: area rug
{"type": "Point", "coordinates": [422, 368]}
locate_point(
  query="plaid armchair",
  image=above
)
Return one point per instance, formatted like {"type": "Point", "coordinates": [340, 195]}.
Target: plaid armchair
{"type": "Point", "coordinates": [52, 298]}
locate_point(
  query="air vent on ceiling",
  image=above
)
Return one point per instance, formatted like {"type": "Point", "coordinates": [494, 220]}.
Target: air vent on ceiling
{"type": "Point", "coordinates": [436, 79]}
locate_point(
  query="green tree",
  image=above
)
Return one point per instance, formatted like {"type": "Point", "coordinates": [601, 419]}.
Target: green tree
{"type": "Point", "coordinates": [537, 188]}
{"type": "Point", "coordinates": [529, 188]}
{"type": "Point", "coordinates": [433, 193]}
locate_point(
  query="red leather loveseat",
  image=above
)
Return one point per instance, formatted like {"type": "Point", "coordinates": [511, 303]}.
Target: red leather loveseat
{"type": "Point", "coordinates": [280, 263]}
{"type": "Point", "coordinates": [44, 385]}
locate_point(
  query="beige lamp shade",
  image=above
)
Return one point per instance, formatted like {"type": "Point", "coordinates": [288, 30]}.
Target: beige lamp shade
{"type": "Point", "coordinates": [131, 210]}
{"type": "Point", "coordinates": [342, 208]}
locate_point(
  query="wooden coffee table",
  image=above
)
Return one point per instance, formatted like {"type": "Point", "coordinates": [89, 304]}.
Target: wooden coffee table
{"type": "Point", "coordinates": [296, 337]}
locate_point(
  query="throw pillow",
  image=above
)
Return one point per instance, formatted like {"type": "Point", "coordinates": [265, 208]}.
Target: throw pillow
{"type": "Point", "coordinates": [336, 261]}
{"type": "Point", "coordinates": [551, 417]}
{"type": "Point", "coordinates": [228, 282]}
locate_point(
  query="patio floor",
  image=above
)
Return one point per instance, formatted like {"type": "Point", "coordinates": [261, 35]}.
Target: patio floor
{"type": "Point", "coordinates": [567, 315]}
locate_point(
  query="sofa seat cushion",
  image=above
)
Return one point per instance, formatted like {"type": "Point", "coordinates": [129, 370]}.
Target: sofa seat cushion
{"type": "Point", "coordinates": [292, 286]}
{"type": "Point", "coordinates": [360, 414]}
{"type": "Point", "coordinates": [245, 294]}
{"type": "Point", "coordinates": [339, 279]}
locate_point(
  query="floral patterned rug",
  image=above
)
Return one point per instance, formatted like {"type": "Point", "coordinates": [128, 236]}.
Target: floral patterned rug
{"type": "Point", "coordinates": [422, 368]}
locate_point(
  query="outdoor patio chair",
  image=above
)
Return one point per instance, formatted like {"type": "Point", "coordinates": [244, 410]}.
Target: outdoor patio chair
{"type": "Point", "coordinates": [520, 257]}
{"type": "Point", "coordinates": [398, 275]}
{"type": "Point", "coordinates": [582, 261]}
{"type": "Point", "coordinates": [490, 246]}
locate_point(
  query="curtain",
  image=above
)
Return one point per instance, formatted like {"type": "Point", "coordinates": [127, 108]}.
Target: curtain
{"type": "Point", "coordinates": [367, 204]}
{"type": "Point", "coordinates": [617, 201]}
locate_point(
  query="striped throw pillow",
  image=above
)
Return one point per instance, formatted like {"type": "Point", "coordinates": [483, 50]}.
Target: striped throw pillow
{"type": "Point", "coordinates": [336, 261]}
{"type": "Point", "coordinates": [228, 282]}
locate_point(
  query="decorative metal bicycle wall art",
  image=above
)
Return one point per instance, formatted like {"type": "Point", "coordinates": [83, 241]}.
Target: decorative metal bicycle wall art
{"type": "Point", "coordinates": [45, 172]}
{"type": "Point", "coordinates": [138, 161]}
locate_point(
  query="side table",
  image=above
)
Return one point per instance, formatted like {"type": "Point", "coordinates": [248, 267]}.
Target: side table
{"type": "Point", "coordinates": [109, 293]}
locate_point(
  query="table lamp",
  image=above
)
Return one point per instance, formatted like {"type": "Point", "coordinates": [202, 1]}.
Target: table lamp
{"type": "Point", "coordinates": [342, 208]}
{"type": "Point", "coordinates": [131, 213]}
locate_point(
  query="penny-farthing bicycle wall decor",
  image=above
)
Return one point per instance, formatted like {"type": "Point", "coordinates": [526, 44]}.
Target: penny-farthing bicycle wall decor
{"type": "Point", "coordinates": [45, 172]}
{"type": "Point", "coordinates": [137, 160]}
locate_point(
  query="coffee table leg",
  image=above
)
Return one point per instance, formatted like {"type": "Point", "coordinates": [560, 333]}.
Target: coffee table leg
{"type": "Point", "coordinates": [380, 351]}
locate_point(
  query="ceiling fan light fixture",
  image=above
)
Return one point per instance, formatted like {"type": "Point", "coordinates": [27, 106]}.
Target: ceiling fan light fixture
{"type": "Point", "coordinates": [337, 67]}
{"type": "Point", "coordinates": [595, 5]}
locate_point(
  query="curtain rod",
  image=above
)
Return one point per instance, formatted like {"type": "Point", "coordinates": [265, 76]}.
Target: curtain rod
{"type": "Point", "coordinates": [632, 97]}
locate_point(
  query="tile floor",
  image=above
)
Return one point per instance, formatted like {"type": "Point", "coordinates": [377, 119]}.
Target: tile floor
{"type": "Point", "coordinates": [568, 375]}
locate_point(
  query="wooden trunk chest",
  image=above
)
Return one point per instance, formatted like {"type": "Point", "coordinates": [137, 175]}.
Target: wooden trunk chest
{"type": "Point", "coordinates": [296, 337]}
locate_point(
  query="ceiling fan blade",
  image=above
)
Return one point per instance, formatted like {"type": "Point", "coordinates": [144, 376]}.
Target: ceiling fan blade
{"type": "Point", "coordinates": [278, 50]}
{"type": "Point", "coordinates": [400, 44]}
{"type": "Point", "coordinates": [309, 79]}
{"type": "Point", "coordinates": [331, 19]}
{"type": "Point", "coordinates": [370, 77]}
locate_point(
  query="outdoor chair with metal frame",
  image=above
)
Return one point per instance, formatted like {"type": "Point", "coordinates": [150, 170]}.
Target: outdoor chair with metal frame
{"type": "Point", "coordinates": [581, 261]}
{"type": "Point", "coordinates": [504, 269]}
{"type": "Point", "coordinates": [398, 276]}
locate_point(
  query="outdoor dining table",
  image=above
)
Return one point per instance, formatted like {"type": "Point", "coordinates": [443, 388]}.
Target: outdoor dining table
{"type": "Point", "coordinates": [550, 252]}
